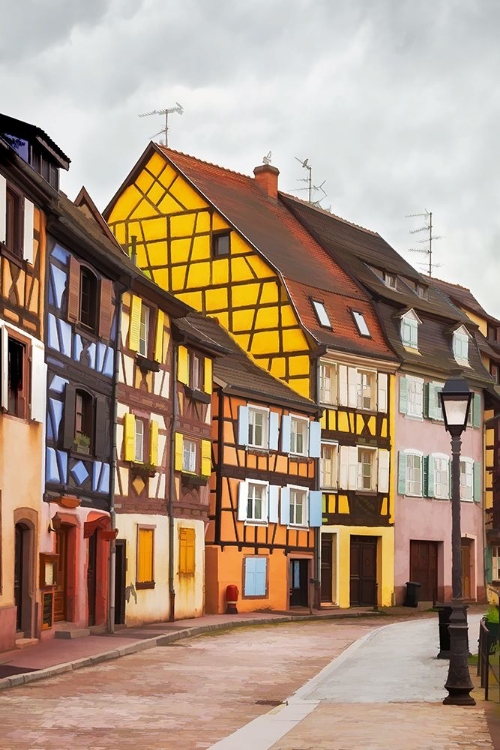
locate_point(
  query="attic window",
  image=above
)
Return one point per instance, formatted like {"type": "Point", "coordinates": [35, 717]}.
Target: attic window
{"type": "Point", "coordinates": [321, 313]}
{"type": "Point", "coordinates": [421, 291]}
{"type": "Point", "coordinates": [461, 345]}
{"type": "Point", "coordinates": [361, 324]}
{"type": "Point", "coordinates": [409, 330]}
{"type": "Point", "coordinates": [221, 244]}
{"type": "Point", "coordinates": [390, 280]}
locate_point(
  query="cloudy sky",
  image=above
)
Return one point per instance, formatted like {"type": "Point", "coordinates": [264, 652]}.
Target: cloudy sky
{"type": "Point", "coordinates": [395, 103]}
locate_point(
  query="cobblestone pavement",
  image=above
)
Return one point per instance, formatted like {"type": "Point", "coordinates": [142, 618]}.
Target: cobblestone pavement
{"type": "Point", "coordinates": [182, 697]}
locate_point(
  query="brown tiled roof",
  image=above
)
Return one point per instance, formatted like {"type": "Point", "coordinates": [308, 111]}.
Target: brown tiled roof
{"type": "Point", "coordinates": [462, 297]}
{"type": "Point", "coordinates": [289, 247]}
{"type": "Point", "coordinates": [234, 368]}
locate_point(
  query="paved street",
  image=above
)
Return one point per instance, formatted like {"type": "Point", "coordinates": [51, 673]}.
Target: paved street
{"type": "Point", "coordinates": [184, 696]}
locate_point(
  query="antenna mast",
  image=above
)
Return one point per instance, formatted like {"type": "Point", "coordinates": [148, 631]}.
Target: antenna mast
{"type": "Point", "coordinates": [426, 228]}
{"type": "Point", "coordinates": [166, 112]}
{"type": "Point", "coordinates": [310, 186]}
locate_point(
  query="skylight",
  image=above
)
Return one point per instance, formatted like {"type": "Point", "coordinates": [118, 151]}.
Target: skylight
{"type": "Point", "coordinates": [360, 321]}
{"type": "Point", "coordinates": [321, 313]}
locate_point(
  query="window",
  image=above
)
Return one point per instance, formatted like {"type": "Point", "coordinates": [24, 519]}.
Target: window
{"type": "Point", "coordinates": [14, 222]}
{"type": "Point", "coordinates": [328, 465]}
{"type": "Point", "coordinates": [17, 367]}
{"type": "Point", "coordinates": [366, 382]}
{"type": "Point", "coordinates": [421, 291]}
{"type": "Point", "coordinates": [221, 244]}
{"type": "Point", "coordinates": [390, 280]}
{"type": "Point", "coordinates": [414, 474]}
{"type": "Point", "coordinates": [187, 551]}
{"type": "Point", "coordinates": [495, 563]}
{"type": "Point", "coordinates": [196, 371]}
{"type": "Point", "coordinates": [321, 313]}
{"type": "Point", "coordinates": [415, 397]}
{"type": "Point", "coordinates": [299, 434]}
{"type": "Point", "coordinates": [434, 409]}
{"type": "Point", "coordinates": [139, 441]}
{"type": "Point", "coordinates": [84, 421]}
{"type": "Point", "coordinates": [189, 456]}
{"type": "Point", "coordinates": [144, 331]}
{"type": "Point", "coordinates": [255, 576]}
{"type": "Point", "coordinates": [145, 557]}
{"type": "Point", "coordinates": [466, 479]}
{"type": "Point", "coordinates": [258, 427]}
{"type": "Point", "coordinates": [361, 324]}
{"type": "Point", "coordinates": [327, 383]}
{"type": "Point", "coordinates": [441, 477]}
{"type": "Point", "coordinates": [366, 473]}
{"type": "Point", "coordinates": [298, 500]}
{"type": "Point", "coordinates": [257, 501]}
{"type": "Point", "coordinates": [461, 345]}
{"type": "Point", "coordinates": [409, 332]}
{"type": "Point", "coordinates": [88, 299]}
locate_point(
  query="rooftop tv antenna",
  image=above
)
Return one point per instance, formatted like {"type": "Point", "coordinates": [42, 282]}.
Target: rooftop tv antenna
{"type": "Point", "coordinates": [267, 159]}
{"type": "Point", "coordinates": [428, 241]}
{"type": "Point", "coordinates": [166, 112]}
{"type": "Point", "coordinates": [310, 187]}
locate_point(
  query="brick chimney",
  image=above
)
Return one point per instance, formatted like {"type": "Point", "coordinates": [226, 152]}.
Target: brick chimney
{"type": "Point", "coordinates": [266, 178]}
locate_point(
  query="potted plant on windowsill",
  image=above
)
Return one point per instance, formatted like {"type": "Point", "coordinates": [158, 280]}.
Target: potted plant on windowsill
{"type": "Point", "coordinates": [193, 480]}
{"type": "Point", "coordinates": [82, 444]}
{"type": "Point", "coordinates": [143, 470]}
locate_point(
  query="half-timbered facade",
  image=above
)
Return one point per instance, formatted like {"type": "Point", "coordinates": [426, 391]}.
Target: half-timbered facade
{"type": "Point", "coordinates": [225, 244]}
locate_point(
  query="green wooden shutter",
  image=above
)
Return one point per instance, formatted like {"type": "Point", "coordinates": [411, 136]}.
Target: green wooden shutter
{"type": "Point", "coordinates": [488, 563]}
{"type": "Point", "coordinates": [403, 395]}
{"type": "Point", "coordinates": [477, 482]}
{"type": "Point", "coordinates": [428, 401]}
{"type": "Point", "coordinates": [476, 410]}
{"type": "Point", "coordinates": [425, 476]}
{"type": "Point", "coordinates": [402, 473]}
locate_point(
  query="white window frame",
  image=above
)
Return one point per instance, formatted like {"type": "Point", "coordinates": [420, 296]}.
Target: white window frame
{"type": "Point", "coordinates": [332, 399]}
{"type": "Point", "coordinates": [139, 441]}
{"type": "Point", "coordinates": [409, 330]}
{"type": "Point", "coordinates": [361, 324]}
{"type": "Point", "coordinates": [321, 313]}
{"type": "Point", "coordinates": [468, 463]}
{"type": "Point", "coordinates": [415, 402]}
{"type": "Point", "coordinates": [252, 412]}
{"type": "Point", "coordinates": [361, 387]}
{"type": "Point", "coordinates": [294, 489]}
{"type": "Point", "coordinates": [495, 563]}
{"type": "Point", "coordinates": [391, 280]}
{"type": "Point", "coordinates": [334, 461]}
{"type": "Point", "coordinates": [411, 492]}
{"type": "Point", "coordinates": [189, 452]}
{"type": "Point", "coordinates": [144, 331]}
{"type": "Point", "coordinates": [373, 469]}
{"type": "Point", "coordinates": [444, 461]}
{"type": "Point", "coordinates": [252, 520]}
{"type": "Point", "coordinates": [461, 346]}
{"type": "Point", "coordinates": [296, 421]}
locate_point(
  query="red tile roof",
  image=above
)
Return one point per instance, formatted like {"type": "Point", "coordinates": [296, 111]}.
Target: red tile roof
{"type": "Point", "coordinates": [280, 238]}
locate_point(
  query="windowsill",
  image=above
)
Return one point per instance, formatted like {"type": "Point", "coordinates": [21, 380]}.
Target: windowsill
{"type": "Point", "coordinates": [329, 489]}
{"type": "Point", "coordinates": [257, 449]}
{"type": "Point", "coordinates": [326, 405]}
{"type": "Point", "coordinates": [145, 585]}
{"type": "Point", "coordinates": [299, 526]}
{"type": "Point", "coordinates": [297, 456]}
{"type": "Point", "coordinates": [254, 522]}
{"type": "Point", "coordinates": [149, 365]}
{"type": "Point", "coordinates": [259, 596]}
{"type": "Point", "coordinates": [193, 480]}
{"type": "Point", "coordinates": [141, 469]}
{"type": "Point", "coordinates": [367, 492]}
{"type": "Point", "coordinates": [84, 330]}
{"type": "Point", "coordinates": [196, 395]}
{"type": "Point", "coordinates": [411, 349]}
{"type": "Point", "coordinates": [414, 416]}
{"type": "Point", "coordinates": [18, 260]}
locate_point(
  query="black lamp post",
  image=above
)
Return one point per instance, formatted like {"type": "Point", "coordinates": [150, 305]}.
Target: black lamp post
{"type": "Point", "coordinates": [455, 401]}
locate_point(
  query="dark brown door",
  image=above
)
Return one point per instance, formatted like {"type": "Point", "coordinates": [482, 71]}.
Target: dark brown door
{"type": "Point", "coordinates": [18, 577]}
{"type": "Point", "coordinates": [91, 577]}
{"type": "Point", "coordinates": [60, 592]}
{"type": "Point", "coordinates": [120, 569]}
{"type": "Point", "coordinates": [423, 568]}
{"type": "Point", "coordinates": [326, 567]}
{"type": "Point", "coordinates": [363, 571]}
{"type": "Point", "coordinates": [299, 583]}
{"type": "Point", "coordinates": [466, 572]}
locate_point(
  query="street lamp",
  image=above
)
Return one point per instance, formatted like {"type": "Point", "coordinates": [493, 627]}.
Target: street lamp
{"type": "Point", "coordinates": [455, 401]}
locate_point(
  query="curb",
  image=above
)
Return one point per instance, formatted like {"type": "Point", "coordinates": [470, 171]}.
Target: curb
{"type": "Point", "coordinates": [162, 640]}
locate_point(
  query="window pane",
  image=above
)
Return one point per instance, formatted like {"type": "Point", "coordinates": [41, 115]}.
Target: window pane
{"type": "Point", "coordinates": [361, 323]}
{"type": "Point", "coordinates": [321, 314]}
{"type": "Point", "coordinates": [139, 440]}
{"type": "Point", "coordinates": [144, 331]}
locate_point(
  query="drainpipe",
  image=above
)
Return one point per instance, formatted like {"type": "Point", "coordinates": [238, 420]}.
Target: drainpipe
{"type": "Point", "coordinates": [112, 513]}
{"type": "Point", "coordinates": [171, 489]}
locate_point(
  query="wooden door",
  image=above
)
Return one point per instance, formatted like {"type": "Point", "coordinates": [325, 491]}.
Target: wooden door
{"type": "Point", "coordinates": [299, 583]}
{"type": "Point", "coordinates": [120, 569]}
{"type": "Point", "coordinates": [91, 577]}
{"type": "Point", "coordinates": [18, 577]}
{"type": "Point", "coordinates": [326, 568]}
{"type": "Point", "coordinates": [363, 577]}
{"type": "Point", "coordinates": [60, 592]}
{"type": "Point", "coordinates": [424, 569]}
{"type": "Point", "coordinates": [466, 571]}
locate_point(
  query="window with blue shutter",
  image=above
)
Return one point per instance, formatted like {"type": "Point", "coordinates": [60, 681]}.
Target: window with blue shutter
{"type": "Point", "coordinates": [274, 493]}
{"type": "Point", "coordinates": [314, 439]}
{"type": "Point", "coordinates": [315, 508]}
{"type": "Point", "coordinates": [476, 410]}
{"type": "Point", "coordinates": [255, 576]}
{"type": "Point", "coordinates": [403, 395]}
{"type": "Point", "coordinates": [285, 506]}
{"type": "Point", "coordinates": [273, 431]}
{"type": "Point", "coordinates": [286, 433]}
{"type": "Point", "coordinates": [402, 473]}
{"type": "Point", "coordinates": [243, 425]}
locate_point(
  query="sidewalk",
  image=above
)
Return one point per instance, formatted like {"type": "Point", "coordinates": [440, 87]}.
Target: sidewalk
{"type": "Point", "coordinates": [60, 655]}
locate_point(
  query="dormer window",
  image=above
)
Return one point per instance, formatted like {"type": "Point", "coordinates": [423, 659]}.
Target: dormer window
{"type": "Point", "coordinates": [390, 280]}
{"type": "Point", "coordinates": [409, 329]}
{"type": "Point", "coordinates": [421, 291]}
{"type": "Point", "coordinates": [361, 324]}
{"type": "Point", "coordinates": [321, 313]}
{"type": "Point", "coordinates": [461, 345]}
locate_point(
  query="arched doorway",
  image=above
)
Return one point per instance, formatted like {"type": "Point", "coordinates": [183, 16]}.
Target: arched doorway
{"type": "Point", "coordinates": [22, 572]}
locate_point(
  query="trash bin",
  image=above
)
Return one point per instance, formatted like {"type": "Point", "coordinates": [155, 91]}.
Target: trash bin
{"type": "Point", "coordinates": [411, 597]}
